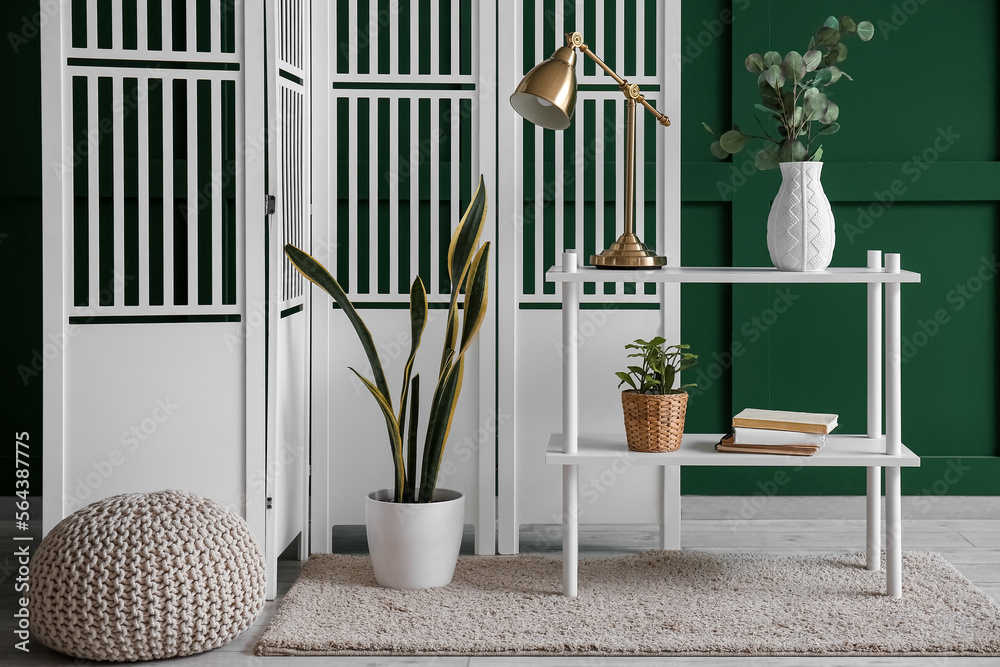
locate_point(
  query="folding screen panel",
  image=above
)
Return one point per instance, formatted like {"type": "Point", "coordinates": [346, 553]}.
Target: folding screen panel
{"type": "Point", "coordinates": [562, 189]}
{"type": "Point", "coordinates": [289, 306]}
{"type": "Point", "coordinates": [148, 264]}
{"type": "Point", "coordinates": [404, 130]}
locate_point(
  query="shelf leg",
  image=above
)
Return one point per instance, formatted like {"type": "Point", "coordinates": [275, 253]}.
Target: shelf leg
{"type": "Point", "coordinates": [571, 535]}
{"type": "Point", "coordinates": [670, 508]}
{"type": "Point", "coordinates": [570, 421]}
{"type": "Point", "coordinates": [893, 534]}
{"type": "Point", "coordinates": [893, 431]}
{"type": "Point", "coordinates": [874, 515]}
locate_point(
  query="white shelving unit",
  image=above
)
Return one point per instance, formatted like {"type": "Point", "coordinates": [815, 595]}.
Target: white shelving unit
{"type": "Point", "coordinates": [873, 450]}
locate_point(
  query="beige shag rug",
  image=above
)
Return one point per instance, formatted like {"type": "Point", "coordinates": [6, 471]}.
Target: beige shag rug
{"type": "Point", "coordinates": [655, 603]}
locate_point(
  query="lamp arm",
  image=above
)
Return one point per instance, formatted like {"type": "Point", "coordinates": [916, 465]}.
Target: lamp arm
{"type": "Point", "coordinates": [629, 90]}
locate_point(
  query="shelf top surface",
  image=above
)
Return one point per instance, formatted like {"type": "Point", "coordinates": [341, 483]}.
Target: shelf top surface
{"type": "Point", "coordinates": [729, 274]}
{"type": "Point", "coordinates": [698, 449]}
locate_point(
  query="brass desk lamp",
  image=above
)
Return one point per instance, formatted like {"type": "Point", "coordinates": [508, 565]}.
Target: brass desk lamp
{"type": "Point", "coordinates": [546, 96]}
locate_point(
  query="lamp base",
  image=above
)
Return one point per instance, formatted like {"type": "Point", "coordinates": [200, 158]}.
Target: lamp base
{"type": "Point", "coordinates": [628, 252]}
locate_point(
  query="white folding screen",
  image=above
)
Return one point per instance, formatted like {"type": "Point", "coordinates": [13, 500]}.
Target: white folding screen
{"type": "Point", "coordinates": [289, 180]}
{"type": "Point", "coordinates": [563, 193]}
{"type": "Point", "coordinates": [404, 124]}
{"type": "Point", "coordinates": [152, 152]}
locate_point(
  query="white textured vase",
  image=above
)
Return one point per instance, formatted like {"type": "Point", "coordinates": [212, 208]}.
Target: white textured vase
{"type": "Point", "coordinates": [800, 228]}
{"type": "Point", "coordinates": [414, 545]}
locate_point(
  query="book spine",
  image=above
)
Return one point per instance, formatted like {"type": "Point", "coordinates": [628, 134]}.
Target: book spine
{"type": "Point", "coordinates": [779, 426]}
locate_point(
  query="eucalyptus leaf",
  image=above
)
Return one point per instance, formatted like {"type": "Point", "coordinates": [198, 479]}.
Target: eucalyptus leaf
{"type": "Point", "coordinates": [754, 63]}
{"type": "Point", "coordinates": [797, 117]}
{"type": "Point", "coordinates": [841, 51]}
{"type": "Point", "coordinates": [832, 22]}
{"type": "Point", "coordinates": [837, 73]}
{"type": "Point", "coordinates": [814, 103]}
{"type": "Point", "coordinates": [792, 151]}
{"type": "Point", "coordinates": [733, 141]}
{"type": "Point", "coordinates": [832, 128]}
{"type": "Point", "coordinates": [774, 76]}
{"type": "Point", "coordinates": [770, 97]}
{"type": "Point", "coordinates": [831, 113]}
{"type": "Point", "coordinates": [771, 58]}
{"type": "Point", "coordinates": [812, 58]}
{"type": "Point", "coordinates": [761, 107]}
{"type": "Point", "coordinates": [848, 26]}
{"type": "Point", "coordinates": [793, 67]}
{"type": "Point", "coordinates": [710, 130]}
{"type": "Point", "coordinates": [827, 37]}
{"type": "Point", "coordinates": [817, 155]}
{"type": "Point", "coordinates": [866, 30]}
{"type": "Point", "coordinates": [765, 159]}
{"type": "Point", "coordinates": [824, 77]}
{"type": "Point", "coordinates": [717, 150]}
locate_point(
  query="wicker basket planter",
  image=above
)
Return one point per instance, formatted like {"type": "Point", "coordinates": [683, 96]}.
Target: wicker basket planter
{"type": "Point", "coordinates": [654, 423]}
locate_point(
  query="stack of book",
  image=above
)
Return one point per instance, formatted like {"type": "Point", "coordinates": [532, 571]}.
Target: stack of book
{"type": "Point", "coordinates": [778, 432]}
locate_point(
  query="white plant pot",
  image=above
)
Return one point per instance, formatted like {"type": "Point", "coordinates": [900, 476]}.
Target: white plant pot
{"type": "Point", "coordinates": [414, 545]}
{"type": "Point", "coordinates": [800, 228]}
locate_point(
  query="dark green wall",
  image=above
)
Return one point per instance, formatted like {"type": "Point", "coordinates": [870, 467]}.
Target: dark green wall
{"type": "Point", "coordinates": [20, 240]}
{"type": "Point", "coordinates": [912, 172]}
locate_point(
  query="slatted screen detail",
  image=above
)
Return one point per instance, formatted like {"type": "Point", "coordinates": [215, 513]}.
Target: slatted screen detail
{"type": "Point", "coordinates": [292, 29]}
{"type": "Point", "coordinates": [402, 118]}
{"type": "Point", "coordinates": [155, 92]}
{"type": "Point", "coordinates": [573, 178]}
{"type": "Point", "coordinates": [292, 184]}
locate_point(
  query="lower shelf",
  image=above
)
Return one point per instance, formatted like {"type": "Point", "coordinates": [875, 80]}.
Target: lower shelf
{"type": "Point", "coordinates": [698, 449]}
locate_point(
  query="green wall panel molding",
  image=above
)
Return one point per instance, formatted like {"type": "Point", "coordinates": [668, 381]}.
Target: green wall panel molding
{"type": "Point", "coordinates": [936, 476]}
{"type": "Point", "coordinates": [921, 184]}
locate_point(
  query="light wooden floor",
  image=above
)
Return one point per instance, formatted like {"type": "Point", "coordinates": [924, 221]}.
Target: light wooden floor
{"type": "Point", "coordinates": [966, 531]}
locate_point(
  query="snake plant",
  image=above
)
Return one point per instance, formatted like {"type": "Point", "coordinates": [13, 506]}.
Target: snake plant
{"type": "Point", "coordinates": [467, 269]}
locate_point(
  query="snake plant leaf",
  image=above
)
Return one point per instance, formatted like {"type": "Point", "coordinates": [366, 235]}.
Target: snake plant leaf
{"type": "Point", "coordinates": [411, 442]}
{"type": "Point", "coordinates": [754, 63]}
{"type": "Point", "coordinates": [733, 141]}
{"type": "Point", "coordinates": [812, 58]}
{"type": "Point", "coordinates": [466, 237]}
{"type": "Point", "coordinates": [866, 30]}
{"type": "Point", "coordinates": [418, 320]}
{"type": "Point", "coordinates": [476, 297]}
{"type": "Point", "coordinates": [392, 426]}
{"type": "Point", "coordinates": [317, 274]}
{"type": "Point", "coordinates": [451, 330]}
{"type": "Point", "coordinates": [439, 425]}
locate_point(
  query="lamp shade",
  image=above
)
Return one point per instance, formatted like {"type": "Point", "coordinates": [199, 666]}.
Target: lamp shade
{"type": "Point", "coordinates": [546, 95]}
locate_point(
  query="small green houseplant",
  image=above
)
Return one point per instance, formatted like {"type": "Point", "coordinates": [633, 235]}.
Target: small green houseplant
{"type": "Point", "coordinates": [654, 410]}
{"type": "Point", "coordinates": [415, 529]}
{"type": "Point", "coordinates": [794, 94]}
{"type": "Point", "coordinates": [660, 366]}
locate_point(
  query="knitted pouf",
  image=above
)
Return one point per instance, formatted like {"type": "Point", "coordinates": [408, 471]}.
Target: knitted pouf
{"type": "Point", "coordinates": [143, 576]}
